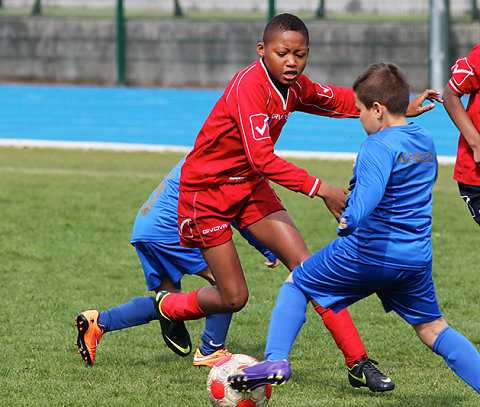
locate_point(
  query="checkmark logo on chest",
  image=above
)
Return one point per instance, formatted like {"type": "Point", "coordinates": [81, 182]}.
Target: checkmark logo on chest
{"type": "Point", "coordinates": [264, 127]}
{"type": "Point", "coordinates": [259, 123]}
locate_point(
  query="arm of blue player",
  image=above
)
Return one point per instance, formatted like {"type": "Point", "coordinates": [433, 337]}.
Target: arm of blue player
{"type": "Point", "coordinates": [372, 172]}
{"type": "Point", "coordinates": [272, 259]}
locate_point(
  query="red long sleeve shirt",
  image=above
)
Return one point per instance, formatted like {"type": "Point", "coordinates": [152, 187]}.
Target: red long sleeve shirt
{"type": "Point", "coordinates": [466, 79]}
{"type": "Point", "coordinates": [238, 137]}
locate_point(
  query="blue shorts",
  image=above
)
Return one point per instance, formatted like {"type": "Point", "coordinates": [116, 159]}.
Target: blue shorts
{"type": "Point", "coordinates": [172, 260]}
{"type": "Point", "coordinates": [333, 280]}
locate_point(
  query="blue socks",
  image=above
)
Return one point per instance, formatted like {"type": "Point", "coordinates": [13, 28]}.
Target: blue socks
{"type": "Point", "coordinates": [215, 333]}
{"type": "Point", "coordinates": [461, 356]}
{"type": "Point", "coordinates": [287, 319]}
{"type": "Point", "coordinates": [137, 311]}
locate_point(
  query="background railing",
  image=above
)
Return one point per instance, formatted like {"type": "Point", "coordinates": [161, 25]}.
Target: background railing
{"type": "Point", "coordinates": [139, 41]}
{"type": "Point", "coordinates": [255, 9]}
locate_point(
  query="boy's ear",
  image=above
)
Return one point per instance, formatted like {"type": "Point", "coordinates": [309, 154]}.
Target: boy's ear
{"type": "Point", "coordinates": [261, 49]}
{"type": "Point", "coordinates": [378, 108]}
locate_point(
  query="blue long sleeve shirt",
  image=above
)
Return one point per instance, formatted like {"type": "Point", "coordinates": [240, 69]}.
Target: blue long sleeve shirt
{"type": "Point", "coordinates": [389, 209]}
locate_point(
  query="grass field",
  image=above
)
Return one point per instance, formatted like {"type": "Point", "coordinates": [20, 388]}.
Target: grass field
{"type": "Point", "coordinates": [66, 218]}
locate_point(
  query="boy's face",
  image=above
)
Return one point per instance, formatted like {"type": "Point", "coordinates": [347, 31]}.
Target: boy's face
{"type": "Point", "coordinates": [369, 117]}
{"type": "Point", "coordinates": [285, 55]}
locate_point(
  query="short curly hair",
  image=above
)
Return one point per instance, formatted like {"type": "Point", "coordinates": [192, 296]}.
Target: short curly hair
{"type": "Point", "coordinates": [285, 22]}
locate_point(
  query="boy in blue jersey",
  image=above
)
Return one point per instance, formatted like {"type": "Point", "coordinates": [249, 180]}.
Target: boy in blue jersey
{"type": "Point", "coordinates": [156, 240]}
{"type": "Point", "coordinates": [385, 240]}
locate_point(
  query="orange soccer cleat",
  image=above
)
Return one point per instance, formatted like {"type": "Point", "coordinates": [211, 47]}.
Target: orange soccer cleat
{"type": "Point", "coordinates": [89, 335]}
{"type": "Point", "coordinates": [199, 359]}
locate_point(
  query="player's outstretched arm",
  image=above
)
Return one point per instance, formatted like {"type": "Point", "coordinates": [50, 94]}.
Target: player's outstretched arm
{"type": "Point", "coordinates": [334, 198]}
{"type": "Point", "coordinates": [456, 111]}
{"type": "Point", "coordinates": [416, 108]}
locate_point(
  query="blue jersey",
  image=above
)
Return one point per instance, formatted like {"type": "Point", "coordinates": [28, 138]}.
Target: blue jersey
{"type": "Point", "coordinates": [156, 220]}
{"type": "Point", "coordinates": [389, 210]}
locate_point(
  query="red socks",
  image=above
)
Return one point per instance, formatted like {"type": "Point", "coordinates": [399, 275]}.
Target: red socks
{"type": "Point", "coordinates": [344, 333]}
{"type": "Point", "coordinates": [182, 306]}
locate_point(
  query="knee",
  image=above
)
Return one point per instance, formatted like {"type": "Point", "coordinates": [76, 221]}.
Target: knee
{"type": "Point", "coordinates": [428, 332]}
{"type": "Point", "coordinates": [236, 302]}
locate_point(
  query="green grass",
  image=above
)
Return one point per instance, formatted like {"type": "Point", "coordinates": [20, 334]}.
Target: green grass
{"type": "Point", "coordinates": [66, 218]}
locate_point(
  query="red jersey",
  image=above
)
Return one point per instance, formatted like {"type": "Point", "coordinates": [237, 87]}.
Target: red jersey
{"type": "Point", "coordinates": [466, 79]}
{"type": "Point", "coordinates": [237, 139]}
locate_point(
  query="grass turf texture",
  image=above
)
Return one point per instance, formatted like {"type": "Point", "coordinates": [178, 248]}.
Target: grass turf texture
{"type": "Point", "coordinates": [66, 218]}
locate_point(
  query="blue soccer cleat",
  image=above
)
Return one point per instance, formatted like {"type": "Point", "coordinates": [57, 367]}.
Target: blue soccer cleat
{"type": "Point", "coordinates": [274, 372]}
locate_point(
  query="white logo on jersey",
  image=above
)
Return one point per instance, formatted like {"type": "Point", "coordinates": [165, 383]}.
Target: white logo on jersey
{"type": "Point", "coordinates": [280, 116]}
{"type": "Point", "coordinates": [326, 91]}
{"type": "Point", "coordinates": [214, 229]}
{"type": "Point", "coordinates": [461, 67]}
{"type": "Point", "coordinates": [259, 123]}
{"type": "Point", "coordinates": [185, 230]}
{"type": "Point", "coordinates": [264, 127]}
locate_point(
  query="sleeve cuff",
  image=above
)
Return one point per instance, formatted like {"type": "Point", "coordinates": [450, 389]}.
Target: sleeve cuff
{"type": "Point", "coordinates": [311, 186]}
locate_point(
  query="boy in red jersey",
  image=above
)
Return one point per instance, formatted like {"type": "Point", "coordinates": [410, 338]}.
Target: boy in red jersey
{"type": "Point", "coordinates": [466, 80]}
{"type": "Point", "coordinates": [226, 178]}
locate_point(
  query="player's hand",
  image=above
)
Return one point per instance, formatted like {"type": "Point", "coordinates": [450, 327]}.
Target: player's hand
{"type": "Point", "coordinates": [416, 108]}
{"type": "Point", "coordinates": [272, 264]}
{"type": "Point", "coordinates": [334, 198]}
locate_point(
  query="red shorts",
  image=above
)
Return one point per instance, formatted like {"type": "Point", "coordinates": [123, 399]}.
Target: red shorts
{"type": "Point", "coordinates": [204, 217]}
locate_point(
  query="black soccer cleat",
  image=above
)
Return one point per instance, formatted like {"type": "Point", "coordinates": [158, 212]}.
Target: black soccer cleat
{"type": "Point", "coordinates": [365, 374]}
{"type": "Point", "coordinates": [174, 333]}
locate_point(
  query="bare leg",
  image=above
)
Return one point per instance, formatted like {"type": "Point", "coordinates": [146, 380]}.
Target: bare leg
{"type": "Point", "coordinates": [279, 234]}
{"type": "Point", "coordinates": [207, 275]}
{"type": "Point", "coordinates": [457, 351]}
{"type": "Point", "coordinates": [429, 331]}
{"type": "Point", "coordinates": [231, 292]}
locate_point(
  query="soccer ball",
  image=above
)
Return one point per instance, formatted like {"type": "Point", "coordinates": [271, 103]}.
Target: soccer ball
{"type": "Point", "coordinates": [220, 392]}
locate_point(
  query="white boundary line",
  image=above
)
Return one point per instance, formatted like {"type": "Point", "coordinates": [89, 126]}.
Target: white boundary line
{"type": "Point", "coordinates": [94, 145]}
{"type": "Point", "coordinates": [89, 145]}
